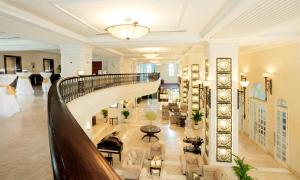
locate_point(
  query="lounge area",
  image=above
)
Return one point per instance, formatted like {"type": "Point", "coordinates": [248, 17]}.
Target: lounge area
{"type": "Point", "coordinates": [149, 90]}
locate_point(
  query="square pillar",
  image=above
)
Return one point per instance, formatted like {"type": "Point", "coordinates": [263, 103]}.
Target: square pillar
{"type": "Point", "coordinates": [223, 114]}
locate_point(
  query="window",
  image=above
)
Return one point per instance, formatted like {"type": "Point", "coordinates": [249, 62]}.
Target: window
{"type": "Point", "coordinates": [281, 131]}
{"type": "Point", "coordinates": [149, 68]}
{"type": "Point", "coordinates": [171, 70]}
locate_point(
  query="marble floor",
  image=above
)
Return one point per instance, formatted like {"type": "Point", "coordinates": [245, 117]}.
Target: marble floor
{"type": "Point", "coordinates": [24, 149]}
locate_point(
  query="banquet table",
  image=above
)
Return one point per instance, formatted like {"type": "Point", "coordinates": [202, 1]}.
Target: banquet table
{"type": "Point", "coordinates": [8, 101]}
{"type": "Point", "coordinates": [24, 86]}
{"type": "Point", "coordinates": [46, 81]}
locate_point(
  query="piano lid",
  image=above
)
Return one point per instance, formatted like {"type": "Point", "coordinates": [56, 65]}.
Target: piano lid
{"type": "Point", "coordinates": [112, 141]}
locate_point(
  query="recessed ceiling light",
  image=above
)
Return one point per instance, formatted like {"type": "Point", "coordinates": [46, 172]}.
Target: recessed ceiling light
{"type": "Point", "coordinates": [151, 56]}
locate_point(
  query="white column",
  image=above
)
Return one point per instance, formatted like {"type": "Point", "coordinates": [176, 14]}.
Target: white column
{"type": "Point", "coordinates": [74, 58]}
{"type": "Point", "coordinates": [216, 50]}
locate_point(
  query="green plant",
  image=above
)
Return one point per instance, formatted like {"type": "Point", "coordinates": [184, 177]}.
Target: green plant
{"type": "Point", "coordinates": [104, 113]}
{"type": "Point", "coordinates": [197, 116]}
{"type": "Point", "coordinates": [125, 113]}
{"type": "Point", "coordinates": [241, 169]}
{"type": "Point", "coordinates": [151, 116]}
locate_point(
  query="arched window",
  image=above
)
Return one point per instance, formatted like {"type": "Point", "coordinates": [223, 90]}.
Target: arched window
{"type": "Point", "coordinates": [171, 70]}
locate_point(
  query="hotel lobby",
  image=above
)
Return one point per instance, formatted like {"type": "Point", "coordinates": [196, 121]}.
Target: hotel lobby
{"type": "Point", "coordinates": [148, 89]}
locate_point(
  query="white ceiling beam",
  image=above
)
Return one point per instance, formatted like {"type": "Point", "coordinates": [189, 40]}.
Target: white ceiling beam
{"type": "Point", "coordinates": [230, 11]}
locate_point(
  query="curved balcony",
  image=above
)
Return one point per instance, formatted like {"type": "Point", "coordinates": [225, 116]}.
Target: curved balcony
{"type": "Point", "coordinates": [73, 155]}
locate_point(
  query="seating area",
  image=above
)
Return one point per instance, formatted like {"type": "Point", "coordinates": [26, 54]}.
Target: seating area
{"type": "Point", "coordinates": [149, 89]}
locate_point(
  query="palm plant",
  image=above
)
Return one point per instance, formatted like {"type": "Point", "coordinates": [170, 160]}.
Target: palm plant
{"type": "Point", "coordinates": [197, 116]}
{"type": "Point", "coordinates": [241, 169]}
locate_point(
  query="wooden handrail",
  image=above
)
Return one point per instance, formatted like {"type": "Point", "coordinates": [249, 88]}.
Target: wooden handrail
{"type": "Point", "coordinates": [73, 154]}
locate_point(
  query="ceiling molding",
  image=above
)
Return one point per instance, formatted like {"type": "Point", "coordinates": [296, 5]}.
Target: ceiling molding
{"type": "Point", "coordinates": [182, 12]}
{"type": "Point", "coordinates": [76, 18]}
{"type": "Point", "coordinates": [37, 21]}
{"type": "Point", "coordinates": [265, 47]}
{"type": "Point", "coordinates": [28, 47]}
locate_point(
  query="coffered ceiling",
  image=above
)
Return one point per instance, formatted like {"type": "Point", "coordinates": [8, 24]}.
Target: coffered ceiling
{"type": "Point", "coordinates": [176, 25]}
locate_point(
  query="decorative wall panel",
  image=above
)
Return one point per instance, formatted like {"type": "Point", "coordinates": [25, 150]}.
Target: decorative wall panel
{"type": "Point", "coordinates": [224, 109]}
{"type": "Point", "coordinates": [195, 86]}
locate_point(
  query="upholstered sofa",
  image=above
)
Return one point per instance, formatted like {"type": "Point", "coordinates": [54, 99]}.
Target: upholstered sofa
{"type": "Point", "coordinates": [133, 163]}
{"type": "Point", "coordinates": [211, 172]}
{"type": "Point", "coordinates": [156, 149]}
{"type": "Point", "coordinates": [191, 162]}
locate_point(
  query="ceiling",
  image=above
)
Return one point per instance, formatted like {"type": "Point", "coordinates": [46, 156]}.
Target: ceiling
{"type": "Point", "coordinates": [176, 25]}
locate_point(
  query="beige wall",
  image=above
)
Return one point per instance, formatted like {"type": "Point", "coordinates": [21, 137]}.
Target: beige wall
{"type": "Point", "coordinates": [283, 63]}
{"type": "Point", "coordinates": [29, 57]}
{"type": "Point", "coordinates": [164, 73]}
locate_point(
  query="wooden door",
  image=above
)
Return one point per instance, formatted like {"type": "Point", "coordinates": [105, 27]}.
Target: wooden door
{"type": "Point", "coordinates": [96, 66]}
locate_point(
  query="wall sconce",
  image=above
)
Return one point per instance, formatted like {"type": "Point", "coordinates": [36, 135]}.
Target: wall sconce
{"type": "Point", "coordinates": [268, 84]}
{"type": "Point", "coordinates": [244, 84]}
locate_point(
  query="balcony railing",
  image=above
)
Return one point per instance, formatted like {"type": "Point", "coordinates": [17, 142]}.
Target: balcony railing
{"type": "Point", "coordinates": [73, 155]}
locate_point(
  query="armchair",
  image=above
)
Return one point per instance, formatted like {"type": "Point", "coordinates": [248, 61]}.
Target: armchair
{"type": "Point", "coordinates": [191, 162]}
{"type": "Point", "coordinates": [133, 163]}
{"type": "Point", "coordinates": [157, 149]}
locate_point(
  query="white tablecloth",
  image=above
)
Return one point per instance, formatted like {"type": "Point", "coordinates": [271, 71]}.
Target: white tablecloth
{"type": "Point", "coordinates": [8, 102]}
{"type": "Point", "coordinates": [23, 85]}
{"type": "Point", "coordinates": [46, 81]}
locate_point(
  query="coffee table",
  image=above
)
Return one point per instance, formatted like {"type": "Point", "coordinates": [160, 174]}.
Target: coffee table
{"type": "Point", "coordinates": [150, 131]}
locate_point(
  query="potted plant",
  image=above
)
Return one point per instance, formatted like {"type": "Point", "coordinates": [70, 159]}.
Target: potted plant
{"type": "Point", "coordinates": [241, 169]}
{"type": "Point", "coordinates": [150, 116]}
{"type": "Point", "coordinates": [105, 113]}
{"type": "Point", "coordinates": [197, 117]}
{"type": "Point", "coordinates": [125, 113]}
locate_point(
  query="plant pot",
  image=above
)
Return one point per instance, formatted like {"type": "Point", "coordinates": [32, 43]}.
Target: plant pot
{"type": "Point", "coordinates": [196, 126]}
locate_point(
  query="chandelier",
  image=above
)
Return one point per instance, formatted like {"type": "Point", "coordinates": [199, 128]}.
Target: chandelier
{"type": "Point", "coordinates": [128, 31]}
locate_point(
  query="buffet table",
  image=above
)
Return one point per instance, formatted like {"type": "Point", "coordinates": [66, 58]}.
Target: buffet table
{"type": "Point", "coordinates": [46, 81]}
{"type": "Point", "coordinates": [24, 86]}
{"type": "Point", "coordinates": [8, 102]}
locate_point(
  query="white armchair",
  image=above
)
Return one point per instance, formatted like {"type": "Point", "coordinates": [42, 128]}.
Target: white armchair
{"type": "Point", "coordinates": [191, 162]}
{"type": "Point", "coordinates": [157, 149]}
{"type": "Point", "coordinates": [133, 163]}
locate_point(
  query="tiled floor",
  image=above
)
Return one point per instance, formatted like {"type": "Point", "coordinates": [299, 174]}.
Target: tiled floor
{"type": "Point", "coordinates": [24, 149]}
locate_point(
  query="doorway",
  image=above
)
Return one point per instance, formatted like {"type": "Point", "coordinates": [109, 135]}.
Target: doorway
{"type": "Point", "coordinates": [96, 66]}
{"type": "Point", "coordinates": [48, 65]}
{"type": "Point", "coordinates": [281, 132]}
{"type": "Point", "coordinates": [258, 121]}
{"type": "Point", "coordinates": [12, 64]}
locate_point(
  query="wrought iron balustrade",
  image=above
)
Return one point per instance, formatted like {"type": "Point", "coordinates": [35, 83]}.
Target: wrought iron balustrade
{"type": "Point", "coordinates": [73, 154]}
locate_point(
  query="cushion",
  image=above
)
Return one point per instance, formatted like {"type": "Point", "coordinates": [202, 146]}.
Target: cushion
{"type": "Point", "coordinates": [129, 161]}
{"type": "Point", "coordinates": [156, 146]}
{"type": "Point", "coordinates": [191, 159]}
{"type": "Point", "coordinates": [133, 155]}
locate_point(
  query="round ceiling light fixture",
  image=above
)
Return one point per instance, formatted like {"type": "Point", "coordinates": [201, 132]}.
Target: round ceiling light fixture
{"type": "Point", "coordinates": [128, 31]}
